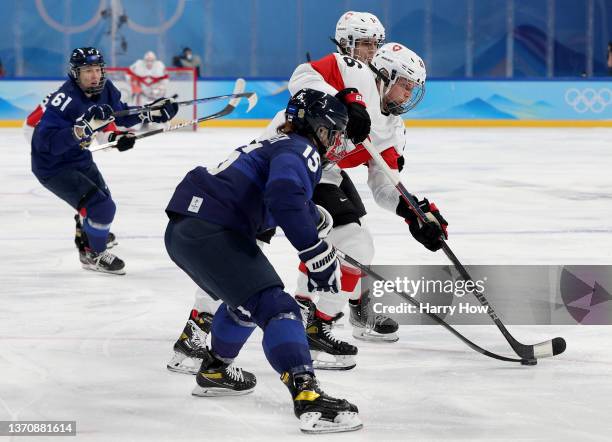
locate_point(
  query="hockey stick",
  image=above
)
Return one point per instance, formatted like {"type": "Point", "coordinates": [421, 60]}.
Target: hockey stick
{"type": "Point", "coordinates": [438, 319]}
{"type": "Point", "coordinates": [233, 103]}
{"type": "Point", "coordinates": [250, 96]}
{"type": "Point", "coordinates": [531, 353]}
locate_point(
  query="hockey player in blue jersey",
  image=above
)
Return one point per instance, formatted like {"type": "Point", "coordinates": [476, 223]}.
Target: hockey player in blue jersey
{"type": "Point", "coordinates": [79, 111]}
{"type": "Point", "coordinates": [215, 215]}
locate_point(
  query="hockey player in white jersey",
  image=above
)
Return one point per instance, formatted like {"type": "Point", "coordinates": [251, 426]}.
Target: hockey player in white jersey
{"type": "Point", "coordinates": [399, 88]}
{"type": "Point", "coordinates": [148, 79]}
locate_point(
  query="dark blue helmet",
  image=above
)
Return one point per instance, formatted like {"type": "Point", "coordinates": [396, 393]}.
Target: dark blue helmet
{"type": "Point", "coordinates": [87, 57]}
{"type": "Point", "coordinates": [318, 115]}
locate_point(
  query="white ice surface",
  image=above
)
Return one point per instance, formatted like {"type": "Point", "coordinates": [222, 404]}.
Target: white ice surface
{"type": "Point", "coordinates": [76, 345]}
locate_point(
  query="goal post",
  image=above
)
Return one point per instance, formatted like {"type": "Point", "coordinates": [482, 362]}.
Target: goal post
{"type": "Point", "coordinates": [137, 91]}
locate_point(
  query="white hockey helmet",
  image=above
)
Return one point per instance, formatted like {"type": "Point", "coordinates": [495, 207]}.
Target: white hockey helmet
{"type": "Point", "coordinates": [397, 63]}
{"type": "Point", "coordinates": [149, 59]}
{"type": "Point", "coordinates": [354, 26]}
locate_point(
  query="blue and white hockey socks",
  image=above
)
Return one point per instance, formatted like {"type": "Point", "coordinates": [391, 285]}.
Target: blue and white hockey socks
{"type": "Point", "coordinates": [230, 330]}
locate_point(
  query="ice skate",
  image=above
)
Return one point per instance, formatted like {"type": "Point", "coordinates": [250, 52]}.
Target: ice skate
{"type": "Point", "coordinates": [328, 352]}
{"type": "Point", "coordinates": [104, 262]}
{"type": "Point", "coordinates": [370, 326]}
{"type": "Point", "coordinates": [318, 412]}
{"type": "Point", "coordinates": [111, 240]}
{"type": "Point", "coordinates": [217, 378]}
{"type": "Point", "coordinates": [190, 347]}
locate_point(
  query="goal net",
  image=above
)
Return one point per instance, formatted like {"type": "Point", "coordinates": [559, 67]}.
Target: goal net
{"type": "Point", "coordinates": [137, 91]}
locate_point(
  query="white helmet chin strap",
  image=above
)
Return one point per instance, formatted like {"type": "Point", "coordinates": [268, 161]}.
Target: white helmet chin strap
{"type": "Point", "coordinates": [384, 84]}
{"type": "Point", "coordinates": [382, 91]}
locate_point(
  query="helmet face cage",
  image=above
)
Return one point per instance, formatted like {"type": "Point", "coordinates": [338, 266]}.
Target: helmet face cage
{"type": "Point", "coordinates": [329, 126]}
{"type": "Point", "coordinates": [83, 57]}
{"type": "Point", "coordinates": [355, 26]}
{"type": "Point", "coordinates": [351, 47]}
{"type": "Point", "coordinates": [397, 108]}
{"type": "Point", "coordinates": [319, 115]}
{"type": "Point", "coordinates": [339, 146]}
{"type": "Point", "coordinates": [400, 65]}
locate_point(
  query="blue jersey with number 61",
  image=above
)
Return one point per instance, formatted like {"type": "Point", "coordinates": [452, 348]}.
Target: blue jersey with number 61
{"type": "Point", "coordinates": [259, 186]}
{"type": "Point", "coordinates": [54, 146]}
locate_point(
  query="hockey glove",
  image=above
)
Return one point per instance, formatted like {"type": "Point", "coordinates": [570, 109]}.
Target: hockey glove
{"type": "Point", "coordinates": [325, 224]}
{"type": "Point", "coordinates": [400, 163]}
{"type": "Point", "coordinates": [428, 233]}
{"type": "Point", "coordinates": [125, 140]}
{"type": "Point", "coordinates": [359, 122]}
{"type": "Point", "coordinates": [167, 109]}
{"type": "Point", "coordinates": [97, 117]}
{"type": "Point", "coordinates": [322, 266]}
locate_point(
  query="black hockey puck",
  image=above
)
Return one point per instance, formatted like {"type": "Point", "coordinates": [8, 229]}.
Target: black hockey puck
{"type": "Point", "coordinates": [529, 362]}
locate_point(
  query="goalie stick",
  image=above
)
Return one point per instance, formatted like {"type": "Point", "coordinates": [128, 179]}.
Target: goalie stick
{"type": "Point", "coordinates": [228, 109]}
{"type": "Point", "coordinates": [528, 353]}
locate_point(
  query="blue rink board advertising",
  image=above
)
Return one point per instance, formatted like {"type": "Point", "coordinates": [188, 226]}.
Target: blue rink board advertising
{"type": "Point", "coordinates": [444, 99]}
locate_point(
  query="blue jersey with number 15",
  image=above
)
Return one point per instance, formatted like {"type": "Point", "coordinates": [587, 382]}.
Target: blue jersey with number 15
{"type": "Point", "coordinates": [259, 186]}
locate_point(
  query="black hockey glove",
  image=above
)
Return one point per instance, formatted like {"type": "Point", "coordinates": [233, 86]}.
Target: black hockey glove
{"type": "Point", "coordinates": [322, 267]}
{"type": "Point", "coordinates": [125, 140]}
{"type": "Point", "coordinates": [168, 109]}
{"type": "Point", "coordinates": [95, 118]}
{"type": "Point", "coordinates": [427, 233]}
{"type": "Point", "coordinates": [400, 163]}
{"type": "Point", "coordinates": [359, 122]}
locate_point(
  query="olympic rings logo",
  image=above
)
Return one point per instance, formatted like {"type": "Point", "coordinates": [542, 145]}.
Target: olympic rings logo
{"type": "Point", "coordinates": [588, 99]}
{"type": "Point", "coordinates": [69, 29]}
{"type": "Point", "coordinates": [95, 18]}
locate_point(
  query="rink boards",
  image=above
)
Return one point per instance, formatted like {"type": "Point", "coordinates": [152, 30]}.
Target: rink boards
{"type": "Point", "coordinates": [447, 103]}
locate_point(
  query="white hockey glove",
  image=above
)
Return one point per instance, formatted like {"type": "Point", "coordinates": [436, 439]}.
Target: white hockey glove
{"type": "Point", "coordinates": [322, 266]}
{"type": "Point", "coordinates": [326, 222]}
{"type": "Point", "coordinates": [97, 117]}
{"type": "Point", "coordinates": [168, 109]}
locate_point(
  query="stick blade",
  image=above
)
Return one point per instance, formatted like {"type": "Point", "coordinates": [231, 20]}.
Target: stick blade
{"type": "Point", "coordinates": [550, 348]}
{"type": "Point", "coordinates": [238, 89]}
{"type": "Point", "coordinates": [252, 101]}
{"type": "Point", "coordinates": [559, 345]}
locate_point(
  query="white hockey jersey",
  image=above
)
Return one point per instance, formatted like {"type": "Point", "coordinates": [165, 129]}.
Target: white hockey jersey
{"type": "Point", "coordinates": [150, 84]}
{"type": "Point", "coordinates": [331, 74]}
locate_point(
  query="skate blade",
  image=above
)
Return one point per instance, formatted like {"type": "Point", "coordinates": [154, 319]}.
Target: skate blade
{"type": "Point", "coordinates": [364, 334]}
{"type": "Point", "coordinates": [311, 423]}
{"type": "Point", "coordinates": [181, 363]}
{"type": "Point", "coordinates": [94, 268]}
{"type": "Point", "coordinates": [322, 361]}
{"type": "Point", "coordinates": [111, 244]}
{"type": "Point", "coordinates": [218, 391]}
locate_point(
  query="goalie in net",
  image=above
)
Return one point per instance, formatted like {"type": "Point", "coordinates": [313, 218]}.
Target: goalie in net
{"type": "Point", "coordinates": [148, 79]}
